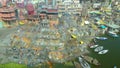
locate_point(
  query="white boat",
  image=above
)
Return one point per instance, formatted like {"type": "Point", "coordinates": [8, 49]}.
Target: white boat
{"type": "Point", "coordinates": [113, 34]}
{"type": "Point", "coordinates": [101, 38]}
{"type": "Point", "coordinates": [99, 48]}
{"type": "Point", "coordinates": [93, 46]}
{"type": "Point", "coordinates": [83, 63]}
{"type": "Point", "coordinates": [103, 52]}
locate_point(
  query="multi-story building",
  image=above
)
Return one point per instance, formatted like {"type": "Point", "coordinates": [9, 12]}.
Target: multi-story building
{"type": "Point", "coordinates": [50, 8]}
{"type": "Point", "coordinates": [7, 13]}
{"type": "Point", "coordinates": [50, 2]}
{"type": "Point", "coordinates": [70, 6]}
{"type": "Point", "coordinates": [61, 6]}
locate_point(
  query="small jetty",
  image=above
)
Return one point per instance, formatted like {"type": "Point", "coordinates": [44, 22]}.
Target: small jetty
{"type": "Point", "coordinates": [91, 60]}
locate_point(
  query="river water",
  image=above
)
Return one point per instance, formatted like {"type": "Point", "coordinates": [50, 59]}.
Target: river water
{"type": "Point", "coordinates": [110, 59]}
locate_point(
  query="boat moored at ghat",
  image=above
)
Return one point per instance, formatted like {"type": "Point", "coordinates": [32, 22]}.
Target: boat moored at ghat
{"type": "Point", "coordinates": [103, 52]}
{"type": "Point", "coordinates": [101, 38]}
{"type": "Point", "coordinates": [99, 48]}
{"type": "Point", "coordinates": [94, 46]}
{"type": "Point", "coordinates": [113, 34]}
{"type": "Point", "coordinates": [83, 63]}
{"type": "Point", "coordinates": [91, 60]}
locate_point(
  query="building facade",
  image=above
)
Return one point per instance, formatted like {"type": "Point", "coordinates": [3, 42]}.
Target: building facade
{"type": "Point", "coordinates": [50, 2]}
{"type": "Point", "coordinates": [70, 6]}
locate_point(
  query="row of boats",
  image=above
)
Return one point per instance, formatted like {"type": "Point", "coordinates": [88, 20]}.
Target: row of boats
{"type": "Point", "coordinates": [99, 49]}
{"type": "Point", "coordinates": [84, 63]}
{"type": "Point", "coordinates": [110, 33]}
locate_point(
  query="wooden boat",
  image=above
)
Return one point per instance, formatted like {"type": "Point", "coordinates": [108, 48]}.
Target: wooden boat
{"type": "Point", "coordinates": [99, 48]}
{"type": "Point", "coordinates": [103, 52]}
{"type": "Point", "coordinates": [91, 60]}
{"type": "Point", "coordinates": [93, 46]}
{"type": "Point", "coordinates": [113, 34]}
{"type": "Point", "coordinates": [102, 38]}
{"type": "Point", "coordinates": [83, 63]}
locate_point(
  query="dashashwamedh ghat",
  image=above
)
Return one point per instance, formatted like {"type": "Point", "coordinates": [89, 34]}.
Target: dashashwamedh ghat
{"type": "Point", "coordinates": [36, 33]}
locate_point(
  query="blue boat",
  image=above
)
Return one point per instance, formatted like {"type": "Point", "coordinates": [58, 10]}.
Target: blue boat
{"type": "Point", "coordinates": [101, 38]}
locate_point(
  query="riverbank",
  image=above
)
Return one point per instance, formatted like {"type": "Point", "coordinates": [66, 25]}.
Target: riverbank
{"type": "Point", "coordinates": [110, 59]}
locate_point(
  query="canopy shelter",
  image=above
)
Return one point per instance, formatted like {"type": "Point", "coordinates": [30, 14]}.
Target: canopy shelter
{"type": "Point", "coordinates": [95, 12]}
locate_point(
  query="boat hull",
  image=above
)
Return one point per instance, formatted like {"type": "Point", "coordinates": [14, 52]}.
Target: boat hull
{"type": "Point", "coordinates": [103, 52]}
{"type": "Point", "coordinates": [98, 49]}
{"type": "Point", "coordinates": [101, 38]}
{"type": "Point", "coordinates": [93, 46]}
{"type": "Point", "coordinates": [113, 34]}
{"type": "Point", "coordinates": [83, 63]}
